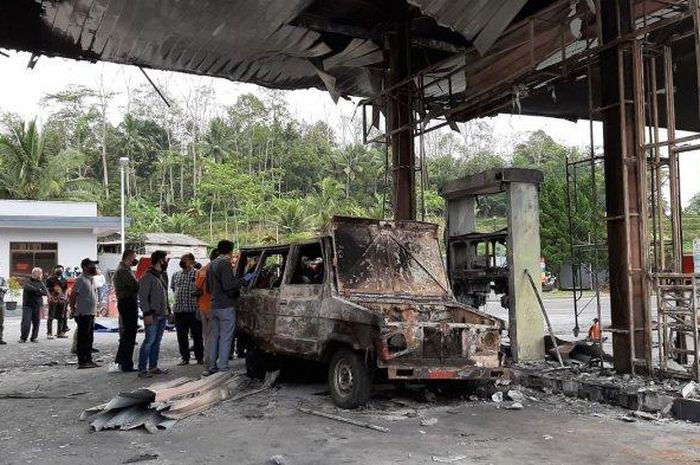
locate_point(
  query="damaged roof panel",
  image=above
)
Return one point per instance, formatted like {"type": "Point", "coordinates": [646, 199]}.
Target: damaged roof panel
{"type": "Point", "coordinates": [480, 21]}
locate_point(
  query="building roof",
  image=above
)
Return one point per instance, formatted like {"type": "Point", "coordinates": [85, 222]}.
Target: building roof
{"type": "Point", "coordinates": [100, 225]}
{"type": "Point", "coordinates": [172, 239]}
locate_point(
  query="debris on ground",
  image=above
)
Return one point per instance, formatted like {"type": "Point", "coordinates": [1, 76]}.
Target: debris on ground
{"type": "Point", "coordinates": [516, 396]}
{"type": "Point", "coordinates": [503, 382]}
{"type": "Point", "coordinates": [514, 406]}
{"type": "Point", "coordinates": [277, 460]}
{"type": "Point", "coordinates": [142, 458]}
{"type": "Point", "coordinates": [645, 416]}
{"type": "Point", "coordinates": [330, 416]}
{"type": "Point", "coordinates": [456, 458]}
{"type": "Point", "coordinates": [428, 421]}
{"type": "Point", "coordinates": [690, 390]}
{"type": "Point", "coordinates": [161, 405]}
{"type": "Point", "coordinates": [497, 397]}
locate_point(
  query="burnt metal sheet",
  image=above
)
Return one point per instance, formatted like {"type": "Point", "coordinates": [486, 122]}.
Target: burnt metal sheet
{"type": "Point", "coordinates": [246, 40]}
{"type": "Point", "coordinates": [480, 21]}
{"type": "Point", "coordinates": [401, 258]}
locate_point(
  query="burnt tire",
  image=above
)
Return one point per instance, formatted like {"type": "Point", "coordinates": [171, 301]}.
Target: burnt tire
{"type": "Point", "coordinates": [349, 379]}
{"type": "Point", "coordinates": [255, 366]}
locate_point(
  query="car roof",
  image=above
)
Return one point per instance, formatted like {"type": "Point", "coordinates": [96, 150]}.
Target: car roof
{"type": "Point", "coordinates": [279, 247]}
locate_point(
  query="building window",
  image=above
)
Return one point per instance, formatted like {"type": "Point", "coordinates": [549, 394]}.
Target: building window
{"type": "Point", "coordinates": [24, 256]}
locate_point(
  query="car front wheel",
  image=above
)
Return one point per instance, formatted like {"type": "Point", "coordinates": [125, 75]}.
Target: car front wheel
{"type": "Point", "coordinates": [348, 379]}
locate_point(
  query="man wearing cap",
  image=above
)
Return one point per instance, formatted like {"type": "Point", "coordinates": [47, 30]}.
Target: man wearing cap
{"type": "Point", "coordinates": [185, 310]}
{"type": "Point", "coordinates": [153, 299]}
{"type": "Point", "coordinates": [83, 301]}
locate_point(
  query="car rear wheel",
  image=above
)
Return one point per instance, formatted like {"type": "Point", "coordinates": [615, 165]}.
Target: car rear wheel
{"type": "Point", "coordinates": [255, 366]}
{"type": "Point", "coordinates": [348, 379]}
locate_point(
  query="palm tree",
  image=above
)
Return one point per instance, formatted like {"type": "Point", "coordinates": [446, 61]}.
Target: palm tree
{"type": "Point", "coordinates": [290, 215]}
{"type": "Point", "coordinates": [30, 172]}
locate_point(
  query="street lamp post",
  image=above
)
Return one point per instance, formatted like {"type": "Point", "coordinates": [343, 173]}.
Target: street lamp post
{"type": "Point", "coordinates": [123, 163]}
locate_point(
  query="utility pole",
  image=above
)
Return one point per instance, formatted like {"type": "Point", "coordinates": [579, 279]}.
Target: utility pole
{"type": "Point", "coordinates": [123, 164]}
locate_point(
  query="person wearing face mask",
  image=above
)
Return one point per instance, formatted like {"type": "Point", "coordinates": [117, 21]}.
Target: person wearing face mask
{"type": "Point", "coordinates": [57, 287]}
{"type": "Point", "coordinates": [126, 288]}
{"type": "Point", "coordinates": [33, 294]}
{"type": "Point", "coordinates": [185, 310]}
{"type": "Point", "coordinates": [153, 299]}
{"type": "Point", "coordinates": [83, 301]}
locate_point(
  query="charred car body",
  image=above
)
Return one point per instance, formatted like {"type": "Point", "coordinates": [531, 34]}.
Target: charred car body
{"type": "Point", "coordinates": [371, 295]}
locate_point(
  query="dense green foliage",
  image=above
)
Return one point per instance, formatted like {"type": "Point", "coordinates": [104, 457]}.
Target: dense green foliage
{"type": "Point", "coordinates": [253, 172]}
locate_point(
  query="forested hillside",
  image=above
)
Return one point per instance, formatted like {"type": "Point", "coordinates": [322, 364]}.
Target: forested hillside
{"type": "Point", "coordinates": [251, 171]}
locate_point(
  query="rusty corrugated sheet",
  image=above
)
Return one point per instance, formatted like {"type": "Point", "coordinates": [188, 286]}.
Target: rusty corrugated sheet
{"type": "Point", "coordinates": [243, 40]}
{"type": "Point", "coordinates": [480, 21]}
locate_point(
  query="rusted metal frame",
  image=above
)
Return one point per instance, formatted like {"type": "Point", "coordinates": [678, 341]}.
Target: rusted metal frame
{"type": "Point", "coordinates": [492, 55]}
{"type": "Point", "coordinates": [580, 58]}
{"type": "Point", "coordinates": [674, 173]}
{"type": "Point", "coordinates": [661, 326]}
{"type": "Point", "coordinates": [571, 245]}
{"type": "Point", "coordinates": [400, 116]}
{"type": "Point", "coordinates": [657, 191]}
{"type": "Point", "coordinates": [594, 202]}
{"type": "Point", "coordinates": [626, 210]}
{"type": "Point", "coordinates": [696, 334]}
{"type": "Point", "coordinates": [643, 205]}
{"type": "Point", "coordinates": [421, 151]}
{"type": "Point", "coordinates": [677, 140]}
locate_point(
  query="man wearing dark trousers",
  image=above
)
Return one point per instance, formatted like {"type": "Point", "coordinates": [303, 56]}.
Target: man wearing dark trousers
{"type": "Point", "coordinates": [33, 293]}
{"type": "Point", "coordinates": [185, 309]}
{"type": "Point", "coordinates": [83, 301]}
{"type": "Point", "coordinates": [127, 289]}
{"type": "Point", "coordinates": [57, 288]}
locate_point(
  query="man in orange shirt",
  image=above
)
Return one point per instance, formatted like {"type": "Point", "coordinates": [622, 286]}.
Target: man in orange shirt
{"type": "Point", "coordinates": [595, 333]}
{"type": "Point", "coordinates": [204, 300]}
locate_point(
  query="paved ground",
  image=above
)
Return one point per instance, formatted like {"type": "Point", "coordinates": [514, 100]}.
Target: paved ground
{"type": "Point", "coordinates": [550, 430]}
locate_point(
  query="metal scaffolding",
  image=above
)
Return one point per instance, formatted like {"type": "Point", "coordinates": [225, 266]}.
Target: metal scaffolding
{"type": "Point", "coordinates": [627, 58]}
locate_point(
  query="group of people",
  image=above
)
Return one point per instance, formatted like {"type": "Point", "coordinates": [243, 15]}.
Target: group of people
{"type": "Point", "coordinates": [203, 309]}
{"type": "Point", "coordinates": [82, 302]}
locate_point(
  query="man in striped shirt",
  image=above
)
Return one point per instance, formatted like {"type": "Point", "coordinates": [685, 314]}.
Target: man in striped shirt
{"type": "Point", "coordinates": [186, 316]}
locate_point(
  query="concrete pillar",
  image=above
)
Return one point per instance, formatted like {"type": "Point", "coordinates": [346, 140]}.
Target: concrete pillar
{"type": "Point", "coordinates": [461, 216]}
{"type": "Point", "coordinates": [526, 325]}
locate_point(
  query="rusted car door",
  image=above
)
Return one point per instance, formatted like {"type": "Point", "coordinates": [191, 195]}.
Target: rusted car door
{"type": "Point", "coordinates": [262, 298]}
{"type": "Point", "coordinates": [303, 289]}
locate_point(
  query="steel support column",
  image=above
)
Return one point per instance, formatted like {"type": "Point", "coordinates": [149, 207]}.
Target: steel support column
{"type": "Point", "coordinates": [399, 125]}
{"type": "Point", "coordinates": [625, 187]}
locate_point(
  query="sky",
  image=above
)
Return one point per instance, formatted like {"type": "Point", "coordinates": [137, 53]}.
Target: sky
{"type": "Point", "coordinates": [21, 90]}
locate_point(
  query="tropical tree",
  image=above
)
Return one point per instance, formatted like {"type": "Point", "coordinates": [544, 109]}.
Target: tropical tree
{"type": "Point", "coordinates": [29, 171]}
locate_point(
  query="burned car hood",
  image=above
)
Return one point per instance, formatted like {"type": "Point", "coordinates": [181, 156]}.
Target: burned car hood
{"type": "Point", "coordinates": [392, 259]}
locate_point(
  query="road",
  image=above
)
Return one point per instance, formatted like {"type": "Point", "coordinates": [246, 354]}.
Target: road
{"type": "Point", "coordinates": [549, 430]}
{"type": "Point", "coordinates": [561, 313]}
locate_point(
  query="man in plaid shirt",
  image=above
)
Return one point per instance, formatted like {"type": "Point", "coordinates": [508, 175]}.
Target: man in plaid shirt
{"type": "Point", "coordinates": [186, 316]}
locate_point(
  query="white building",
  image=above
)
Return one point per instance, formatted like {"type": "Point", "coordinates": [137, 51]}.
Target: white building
{"type": "Point", "coordinates": [45, 234]}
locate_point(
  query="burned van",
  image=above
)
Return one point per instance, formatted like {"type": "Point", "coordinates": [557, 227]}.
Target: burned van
{"type": "Point", "coordinates": [372, 295]}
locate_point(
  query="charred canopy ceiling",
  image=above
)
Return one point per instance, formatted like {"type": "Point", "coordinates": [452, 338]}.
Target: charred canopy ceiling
{"type": "Point", "coordinates": [337, 45]}
{"type": "Point", "coordinates": [488, 48]}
